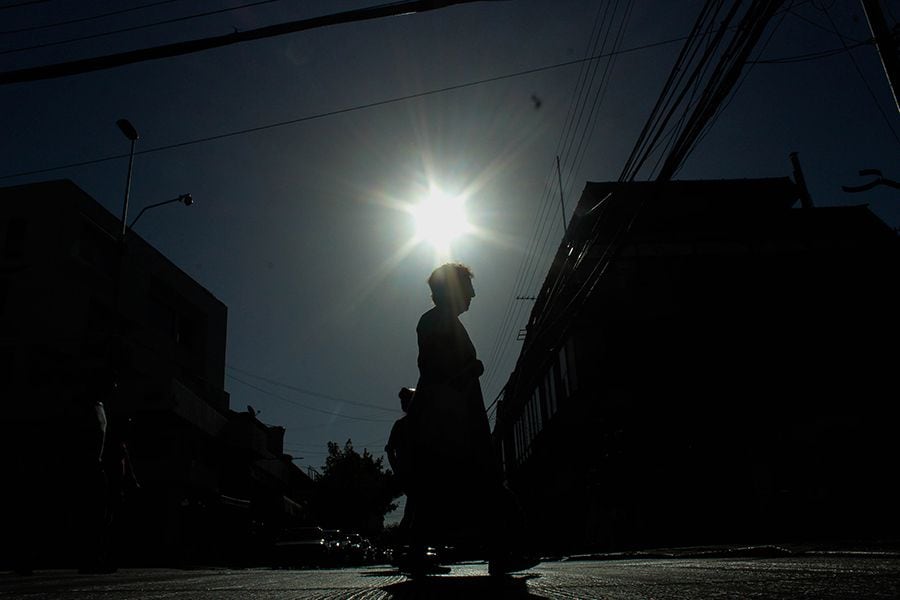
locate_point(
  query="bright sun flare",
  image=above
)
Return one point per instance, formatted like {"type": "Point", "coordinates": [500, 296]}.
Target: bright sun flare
{"type": "Point", "coordinates": [440, 218]}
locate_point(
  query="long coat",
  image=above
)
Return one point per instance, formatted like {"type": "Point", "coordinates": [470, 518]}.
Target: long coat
{"type": "Point", "coordinates": [454, 474]}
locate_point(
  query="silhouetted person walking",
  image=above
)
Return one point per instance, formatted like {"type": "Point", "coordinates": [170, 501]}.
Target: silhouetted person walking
{"type": "Point", "coordinates": [454, 476]}
{"type": "Point", "coordinates": [398, 453]}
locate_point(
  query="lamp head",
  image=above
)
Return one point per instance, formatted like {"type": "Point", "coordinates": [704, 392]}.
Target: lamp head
{"type": "Point", "coordinates": [186, 199]}
{"type": "Point", "coordinates": [127, 129]}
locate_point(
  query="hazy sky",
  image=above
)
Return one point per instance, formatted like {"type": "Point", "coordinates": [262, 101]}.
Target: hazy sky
{"type": "Point", "coordinates": [298, 228]}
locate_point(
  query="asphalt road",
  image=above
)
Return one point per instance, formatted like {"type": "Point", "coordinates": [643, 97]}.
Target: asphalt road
{"type": "Point", "coordinates": [820, 577]}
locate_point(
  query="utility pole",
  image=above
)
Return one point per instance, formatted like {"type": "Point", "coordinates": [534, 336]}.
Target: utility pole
{"type": "Point", "coordinates": [886, 43]}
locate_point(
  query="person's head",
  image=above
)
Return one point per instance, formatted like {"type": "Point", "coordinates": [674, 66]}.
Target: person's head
{"type": "Point", "coordinates": [451, 287]}
{"type": "Point", "coordinates": [406, 396]}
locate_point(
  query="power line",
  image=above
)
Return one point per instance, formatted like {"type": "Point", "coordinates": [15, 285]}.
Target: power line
{"type": "Point", "coordinates": [530, 261]}
{"type": "Point", "coordinates": [306, 406]}
{"type": "Point", "coordinates": [110, 61]}
{"type": "Point", "coordinates": [810, 56]}
{"type": "Point", "coordinates": [91, 18]}
{"type": "Point", "coordinates": [813, 23]}
{"type": "Point", "coordinates": [25, 3]}
{"type": "Point", "coordinates": [865, 81]}
{"type": "Point", "coordinates": [94, 36]}
{"type": "Point", "coordinates": [743, 78]}
{"type": "Point", "coordinates": [720, 82]}
{"type": "Point", "coordinates": [341, 111]}
{"type": "Point", "coordinates": [309, 392]}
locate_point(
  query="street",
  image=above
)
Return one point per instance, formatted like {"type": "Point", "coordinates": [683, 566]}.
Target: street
{"type": "Point", "coordinates": [822, 577]}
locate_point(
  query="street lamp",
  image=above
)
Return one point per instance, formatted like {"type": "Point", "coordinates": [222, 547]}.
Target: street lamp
{"type": "Point", "coordinates": [185, 199]}
{"type": "Point", "coordinates": [131, 133]}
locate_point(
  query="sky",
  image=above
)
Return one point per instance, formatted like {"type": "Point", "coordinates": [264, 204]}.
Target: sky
{"type": "Point", "coordinates": [304, 229]}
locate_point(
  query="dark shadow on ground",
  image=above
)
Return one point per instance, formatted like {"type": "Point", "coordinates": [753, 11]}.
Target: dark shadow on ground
{"type": "Point", "coordinates": [470, 588]}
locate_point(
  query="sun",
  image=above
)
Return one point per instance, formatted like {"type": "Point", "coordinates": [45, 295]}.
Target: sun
{"type": "Point", "coordinates": [440, 219]}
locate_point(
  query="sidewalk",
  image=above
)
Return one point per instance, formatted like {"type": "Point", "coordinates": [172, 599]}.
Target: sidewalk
{"type": "Point", "coordinates": [875, 549]}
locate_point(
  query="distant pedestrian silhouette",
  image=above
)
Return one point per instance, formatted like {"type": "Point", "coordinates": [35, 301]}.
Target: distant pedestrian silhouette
{"type": "Point", "coordinates": [397, 447]}
{"type": "Point", "coordinates": [398, 452]}
{"type": "Point", "coordinates": [453, 473]}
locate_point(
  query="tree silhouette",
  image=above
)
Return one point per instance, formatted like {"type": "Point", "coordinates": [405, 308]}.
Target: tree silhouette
{"type": "Point", "coordinates": [354, 492]}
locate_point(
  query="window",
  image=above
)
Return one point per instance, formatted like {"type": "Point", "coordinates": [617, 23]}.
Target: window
{"type": "Point", "coordinates": [550, 383]}
{"type": "Point", "coordinates": [529, 425]}
{"type": "Point", "coordinates": [517, 435]}
{"type": "Point", "coordinates": [568, 379]}
{"type": "Point", "coordinates": [536, 409]}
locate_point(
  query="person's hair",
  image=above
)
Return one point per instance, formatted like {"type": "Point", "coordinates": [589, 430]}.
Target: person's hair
{"type": "Point", "coordinates": [446, 281]}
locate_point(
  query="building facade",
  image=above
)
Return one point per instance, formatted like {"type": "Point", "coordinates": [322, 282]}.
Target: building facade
{"type": "Point", "coordinates": [706, 363]}
{"type": "Point", "coordinates": [88, 318]}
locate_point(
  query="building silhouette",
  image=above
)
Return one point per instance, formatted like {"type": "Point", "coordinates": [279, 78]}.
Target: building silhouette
{"type": "Point", "coordinates": [707, 363]}
{"type": "Point", "coordinates": [85, 318]}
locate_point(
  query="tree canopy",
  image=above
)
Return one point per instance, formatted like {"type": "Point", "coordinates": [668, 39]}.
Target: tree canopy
{"type": "Point", "coordinates": [354, 492]}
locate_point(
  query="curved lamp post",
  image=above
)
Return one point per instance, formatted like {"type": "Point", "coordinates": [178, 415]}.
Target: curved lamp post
{"type": "Point", "coordinates": [185, 199]}
{"type": "Point", "coordinates": [131, 133]}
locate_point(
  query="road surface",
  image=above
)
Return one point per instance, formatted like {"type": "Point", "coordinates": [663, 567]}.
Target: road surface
{"type": "Point", "coordinates": [821, 577]}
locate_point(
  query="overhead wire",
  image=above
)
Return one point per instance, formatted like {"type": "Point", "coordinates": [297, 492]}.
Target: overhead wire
{"type": "Point", "coordinates": [721, 82]}
{"type": "Point", "coordinates": [23, 3]}
{"type": "Point", "coordinates": [514, 306]}
{"type": "Point", "coordinates": [580, 123]}
{"type": "Point", "coordinates": [798, 58]}
{"type": "Point", "coordinates": [748, 30]}
{"type": "Point", "coordinates": [809, 21]}
{"type": "Point", "coordinates": [668, 139]}
{"type": "Point", "coordinates": [579, 119]}
{"type": "Point", "coordinates": [689, 50]}
{"type": "Point", "coordinates": [657, 110]}
{"type": "Point", "coordinates": [330, 413]}
{"type": "Point", "coordinates": [862, 77]}
{"type": "Point", "coordinates": [679, 91]}
{"type": "Point", "coordinates": [133, 28]}
{"type": "Point", "coordinates": [743, 78]}
{"type": "Point", "coordinates": [109, 61]}
{"type": "Point", "coordinates": [599, 44]}
{"type": "Point", "coordinates": [335, 112]}
{"type": "Point", "coordinates": [111, 13]}
{"type": "Point", "coordinates": [587, 131]}
{"type": "Point", "coordinates": [585, 290]}
{"type": "Point", "coordinates": [504, 338]}
{"type": "Point", "coordinates": [309, 392]}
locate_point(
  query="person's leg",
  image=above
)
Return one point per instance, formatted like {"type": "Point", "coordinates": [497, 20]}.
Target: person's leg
{"type": "Point", "coordinates": [509, 548]}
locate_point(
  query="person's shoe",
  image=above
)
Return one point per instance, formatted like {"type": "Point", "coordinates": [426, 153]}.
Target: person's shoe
{"type": "Point", "coordinates": [512, 563]}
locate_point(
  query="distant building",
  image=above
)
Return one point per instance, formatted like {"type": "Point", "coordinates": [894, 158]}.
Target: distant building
{"type": "Point", "coordinates": [86, 318]}
{"type": "Point", "coordinates": [706, 363]}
